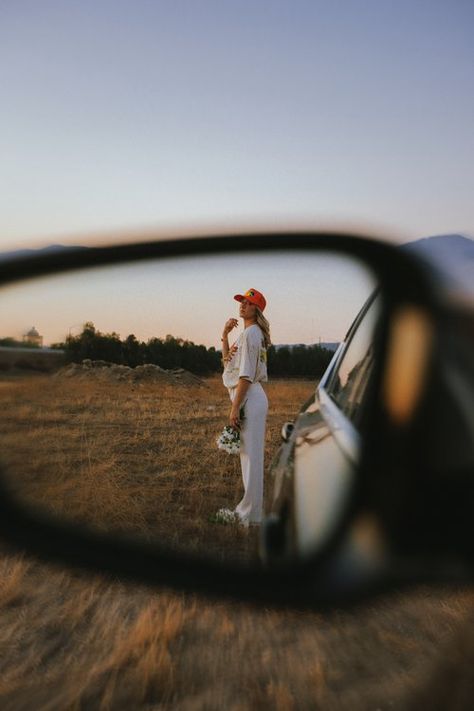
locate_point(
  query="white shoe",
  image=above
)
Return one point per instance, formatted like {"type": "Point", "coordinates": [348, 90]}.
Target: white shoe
{"type": "Point", "coordinates": [249, 524]}
{"type": "Point", "coordinates": [246, 523]}
{"type": "Point", "coordinates": [226, 516]}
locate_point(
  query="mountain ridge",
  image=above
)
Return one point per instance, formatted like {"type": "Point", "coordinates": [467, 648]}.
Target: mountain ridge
{"type": "Point", "coordinates": [450, 255]}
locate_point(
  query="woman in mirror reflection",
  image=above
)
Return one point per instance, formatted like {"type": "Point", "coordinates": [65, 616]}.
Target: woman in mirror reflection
{"type": "Point", "coordinates": [245, 369]}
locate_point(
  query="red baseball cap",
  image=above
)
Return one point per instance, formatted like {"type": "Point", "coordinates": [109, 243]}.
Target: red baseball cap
{"type": "Point", "coordinates": [254, 296]}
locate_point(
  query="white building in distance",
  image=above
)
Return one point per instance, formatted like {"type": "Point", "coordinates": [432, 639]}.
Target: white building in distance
{"type": "Point", "coordinates": [33, 338]}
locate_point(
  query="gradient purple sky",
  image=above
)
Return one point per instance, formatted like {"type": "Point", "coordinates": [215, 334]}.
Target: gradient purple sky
{"type": "Point", "coordinates": [156, 115]}
{"type": "Point", "coordinates": [309, 296]}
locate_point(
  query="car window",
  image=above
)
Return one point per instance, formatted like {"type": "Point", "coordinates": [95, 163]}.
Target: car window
{"type": "Point", "coordinates": [348, 383]}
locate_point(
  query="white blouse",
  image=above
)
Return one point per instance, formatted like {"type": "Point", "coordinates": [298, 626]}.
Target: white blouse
{"type": "Point", "coordinates": [248, 358]}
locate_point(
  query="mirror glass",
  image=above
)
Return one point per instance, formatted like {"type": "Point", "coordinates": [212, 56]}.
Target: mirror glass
{"type": "Point", "coordinates": [113, 396]}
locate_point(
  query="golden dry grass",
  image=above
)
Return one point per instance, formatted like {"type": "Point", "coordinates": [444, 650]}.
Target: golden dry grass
{"type": "Point", "coordinates": [69, 640]}
{"type": "Point", "coordinates": [140, 459]}
{"type": "Point", "coordinates": [72, 641]}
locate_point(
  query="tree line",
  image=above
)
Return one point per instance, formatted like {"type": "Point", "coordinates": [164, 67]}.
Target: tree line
{"type": "Point", "coordinates": [171, 352]}
{"type": "Point", "coordinates": [9, 342]}
{"type": "Point", "coordinates": [168, 352]}
{"type": "Point", "coordinates": [298, 361]}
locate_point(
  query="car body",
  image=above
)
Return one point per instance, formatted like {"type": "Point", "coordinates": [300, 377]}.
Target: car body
{"type": "Point", "coordinates": [313, 472]}
{"type": "Point", "coordinates": [423, 500]}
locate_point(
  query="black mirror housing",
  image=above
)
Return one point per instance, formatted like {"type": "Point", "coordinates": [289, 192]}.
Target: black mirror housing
{"type": "Point", "coordinates": [422, 506]}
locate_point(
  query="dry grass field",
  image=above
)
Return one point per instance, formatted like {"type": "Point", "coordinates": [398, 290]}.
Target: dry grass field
{"type": "Point", "coordinates": [143, 460]}
{"type": "Point", "coordinates": [136, 458]}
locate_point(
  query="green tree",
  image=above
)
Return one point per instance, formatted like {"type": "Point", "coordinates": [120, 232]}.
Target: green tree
{"type": "Point", "coordinates": [170, 352]}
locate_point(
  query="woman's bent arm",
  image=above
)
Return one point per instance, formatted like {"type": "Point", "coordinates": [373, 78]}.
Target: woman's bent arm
{"type": "Point", "coordinates": [229, 325]}
{"type": "Point", "coordinates": [225, 348]}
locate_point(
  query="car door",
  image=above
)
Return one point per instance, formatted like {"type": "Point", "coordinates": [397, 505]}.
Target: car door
{"type": "Point", "coordinates": [314, 471]}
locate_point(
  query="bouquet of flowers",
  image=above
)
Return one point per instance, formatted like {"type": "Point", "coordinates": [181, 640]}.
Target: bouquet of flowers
{"type": "Point", "coordinates": [229, 438]}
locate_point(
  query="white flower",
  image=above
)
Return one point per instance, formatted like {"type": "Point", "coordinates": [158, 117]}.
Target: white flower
{"type": "Point", "coordinates": [225, 516]}
{"type": "Point", "coordinates": [229, 440]}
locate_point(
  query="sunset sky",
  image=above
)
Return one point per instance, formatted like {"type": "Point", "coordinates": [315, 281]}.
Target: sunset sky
{"type": "Point", "coordinates": [121, 115]}
{"type": "Point", "coordinates": [121, 119]}
{"type": "Point", "coordinates": [309, 297]}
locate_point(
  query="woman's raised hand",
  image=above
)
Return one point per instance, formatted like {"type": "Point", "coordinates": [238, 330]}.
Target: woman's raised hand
{"type": "Point", "coordinates": [229, 325]}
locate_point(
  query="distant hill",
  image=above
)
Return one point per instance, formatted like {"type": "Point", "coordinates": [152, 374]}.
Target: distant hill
{"type": "Point", "coordinates": [328, 346]}
{"type": "Point", "coordinates": [451, 255]}
{"type": "Point", "coordinates": [21, 253]}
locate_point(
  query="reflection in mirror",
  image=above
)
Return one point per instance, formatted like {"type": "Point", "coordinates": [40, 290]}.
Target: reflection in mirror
{"type": "Point", "coordinates": [113, 397]}
{"type": "Point", "coordinates": [328, 439]}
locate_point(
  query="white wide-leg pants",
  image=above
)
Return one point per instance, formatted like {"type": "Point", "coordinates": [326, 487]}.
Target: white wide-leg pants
{"type": "Point", "coordinates": [252, 445]}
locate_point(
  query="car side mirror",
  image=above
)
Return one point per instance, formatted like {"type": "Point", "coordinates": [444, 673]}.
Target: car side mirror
{"type": "Point", "coordinates": [110, 461]}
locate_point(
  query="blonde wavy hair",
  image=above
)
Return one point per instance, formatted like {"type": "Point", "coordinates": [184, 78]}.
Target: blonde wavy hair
{"type": "Point", "coordinates": [264, 327]}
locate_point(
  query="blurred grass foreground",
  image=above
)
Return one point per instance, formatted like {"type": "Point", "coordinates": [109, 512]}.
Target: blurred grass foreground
{"type": "Point", "coordinates": [140, 458]}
